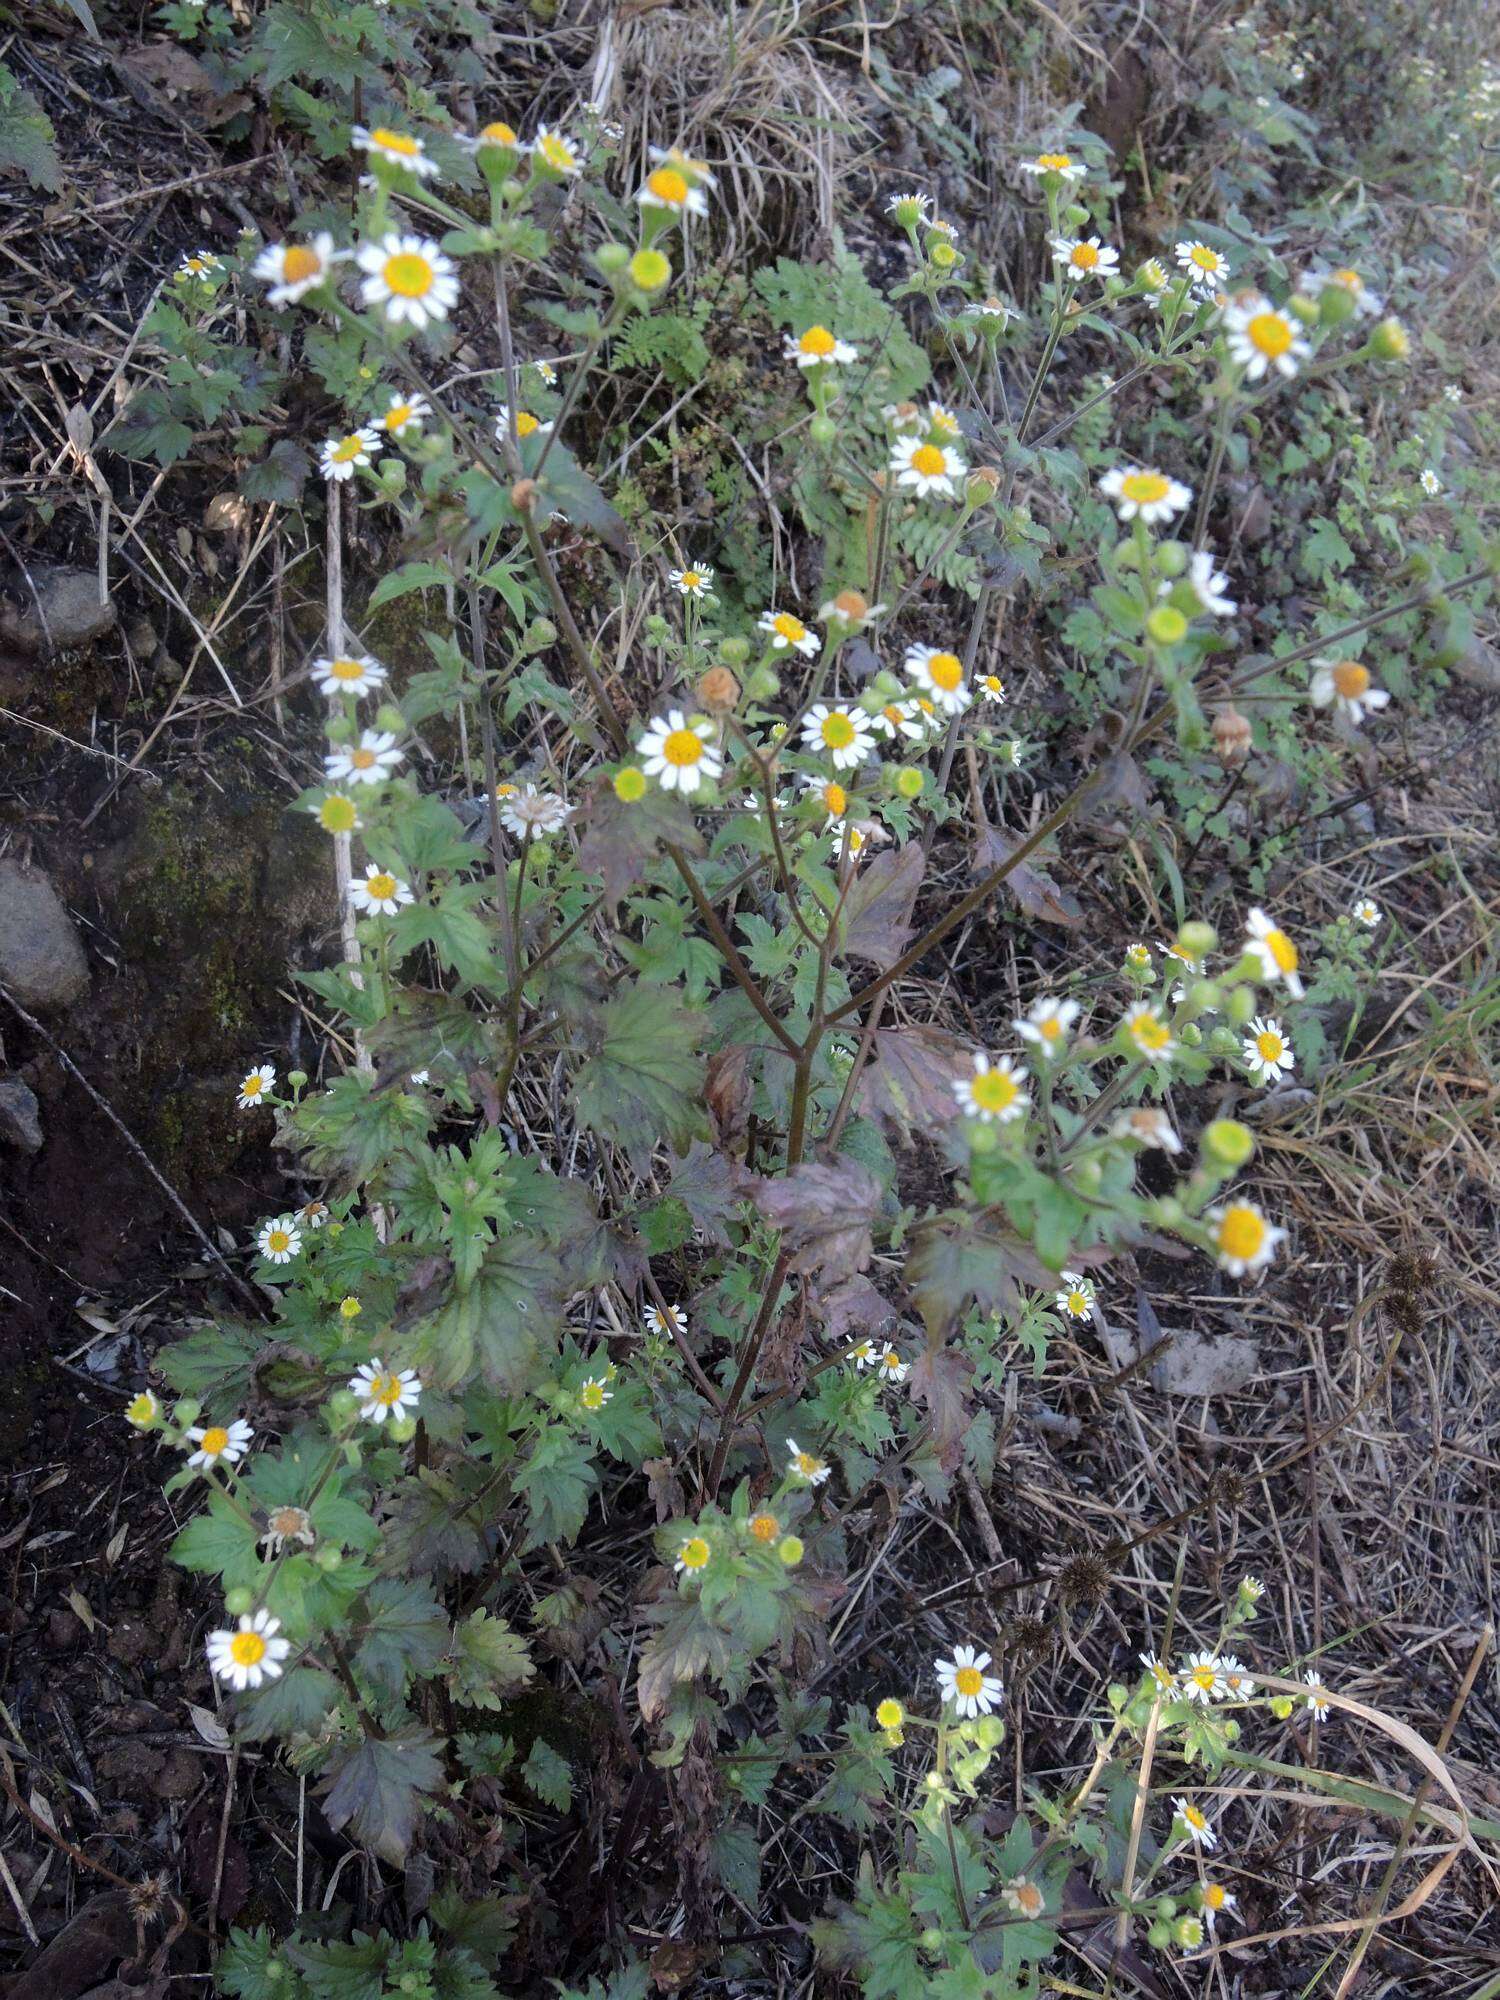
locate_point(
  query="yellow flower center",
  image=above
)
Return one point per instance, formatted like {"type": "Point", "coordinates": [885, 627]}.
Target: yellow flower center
{"type": "Point", "coordinates": [994, 684]}
{"type": "Point", "coordinates": [299, 262]}
{"type": "Point", "coordinates": [807, 1465]}
{"type": "Point", "coordinates": [381, 887]}
{"type": "Point", "coordinates": [1145, 487]}
{"type": "Point", "coordinates": [765, 1527]}
{"type": "Point", "coordinates": [277, 1240]}
{"type": "Point", "coordinates": [946, 670]}
{"type": "Point", "coordinates": [668, 186]}
{"type": "Point", "coordinates": [337, 814]}
{"type": "Point", "coordinates": [346, 670]}
{"type": "Point", "coordinates": [1085, 256]}
{"type": "Point", "coordinates": [395, 142]}
{"type": "Point", "coordinates": [994, 1090]}
{"type": "Point", "coordinates": [347, 450]}
{"type": "Point", "coordinates": [526, 423]}
{"type": "Point", "coordinates": [253, 1085]}
{"type": "Point", "coordinates": [1194, 1818]}
{"type": "Point", "coordinates": [385, 1390]}
{"type": "Point", "coordinates": [1057, 163]}
{"type": "Point", "coordinates": [1242, 1231]}
{"type": "Point", "coordinates": [1028, 1898]}
{"type": "Point", "coordinates": [694, 1553]}
{"type": "Point", "coordinates": [1351, 279]}
{"type": "Point", "coordinates": [890, 1714]}
{"type": "Point", "coordinates": [397, 415]}
{"type": "Point", "coordinates": [837, 731]}
{"type": "Point", "coordinates": [1213, 1896]}
{"type": "Point", "coordinates": [682, 747]}
{"type": "Point", "coordinates": [1282, 950]}
{"type": "Point", "coordinates": [1202, 1677]}
{"type": "Point", "coordinates": [691, 579]}
{"type": "Point", "coordinates": [361, 759]}
{"type": "Point", "coordinates": [247, 1649]}
{"type": "Point", "coordinates": [968, 1680]}
{"type": "Point", "coordinates": [836, 799]}
{"type": "Point", "coordinates": [1049, 1028]}
{"type": "Point", "coordinates": [789, 628]}
{"type": "Point", "coordinates": [630, 784]}
{"type": "Point", "coordinates": [497, 134]}
{"type": "Point", "coordinates": [592, 1397]}
{"type": "Point", "coordinates": [1203, 257]}
{"type": "Point", "coordinates": [554, 152]}
{"type": "Point", "coordinates": [214, 1440]}
{"type": "Point", "coordinates": [1351, 679]}
{"type": "Point", "coordinates": [142, 1409]}
{"type": "Point", "coordinates": [817, 341]}
{"type": "Point", "coordinates": [1271, 333]}
{"type": "Point", "coordinates": [1078, 1304]}
{"type": "Point", "coordinates": [1150, 1031]}
{"type": "Point", "coordinates": [408, 274]}
{"type": "Point", "coordinates": [1269, 1046]}
{"type": "Point", "coordinates": [929, 461]}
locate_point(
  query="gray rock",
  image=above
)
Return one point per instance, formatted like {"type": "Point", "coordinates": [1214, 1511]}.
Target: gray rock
{"type": "Point", "coordinates": [41, 960]}
{"type": "Point", "coordinates": [61, 611]}
{"type": "Point", "coordinates": [20, 1115]}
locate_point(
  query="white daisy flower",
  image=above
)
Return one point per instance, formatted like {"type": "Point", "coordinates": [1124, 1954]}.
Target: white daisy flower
{"type": "Point", "coordinates": [909, 209]}
{"type": "Point", "coordinates": [818, 348]}
{"type": "Point", "coordinates": [1085, 257]}
{"type": "Point", "coordinates": [547, 372]}
{"type": "Point", "coordinates": [841, 734]}
{"type": "Point", "coordinates": [1317, 1695]}
{"type": "Point", "coordinates": [1024, 1898]}
{"type": "Point", "coordinates": [1148, 1125]}
{"type": "Point", "coordinates": [1275, 950]}
{"type": "Point", "coordinates": [395, 149]}
{"type": "Point", "coordinates": [496, 136]}
{"type": "Point", "coordinates": [1161, 1674]}
{"type": "Point", "coordinates": [530, 814]}
{"type": "Point", "coordinates": [348, 673]}
{"type": "Point", "coordinates": [1215, 1901]}
{"type": "Point", "coordinates": [556, 152]}
{"type": "Point", "coordinates": [965, 1683]}
{"type": "Point", "coordinates": [991, 312]}
{"type": "Point", "coordinates": [697, 581]}
{"type": "Point", "coordinates": [784, 632]}
{"type": "Point", "coordinates": [938, 227]}
{"type": "Point", "coordinates": [863, 1355]}
{"type": "Point", "coordinates": [1204, 265]}
{"type": "Point", "coordinates": [279, 1240]}
{"type": "Point", "coordinates": [942, 421]}
{"type": "Point", "coordinates": [253, 1088]}
{"type": "Point", "coordinates": [898, 721]}
{"type": "Point", "coordinates": [692, 1555]}
{"type": "Point", "coordinates": [669, 189]}
{"type": "Point", "coordinates": [1076, 1297]}
{"type": "Point", "coordinates": [1047, 1025]}
{"type": "Point", "coordinates": [1345, 685]}
{"type": "Point", "coordinates": [1138, 957]}
{"type": "Point", "coordinates": [409, 278]}
{"type": "Point", "coordinates": [1367, 912]}
{"type": "Point", "coordinates": [1139, 490]}
{"type": "Point", "coordinates": [990, 687]}
{"type": "Point", "coordinates": [660, 1322]}
{"type": "Point", "coordinates": [803, 1465]}
{"type": "Point", "coordinates": [1315, 283]}
{"type": "Point", "coordinates": [925, 468]}
{"type": "Point", "coordinates": [1267, 1052]}
{"type": "Point", "coordinates": [1207, 584]}
{"type": "Point", "coordinates": [198, 264]}
{"type": "Point", "coordinates": [851, 609]}
{"type": "Point", "coordinates": [1429, 481]}
{"type": "Point", "coordinates": [891, 1367]}
{"type": "Point", "coordinates": [313, 1214]}
{"type": "Point", "coordinates": [940, 675]}
{"type": "Point", "coordinates": [219, 1442]}
{"type": "Point", "coordinates": [1194, 1824]}
{"type": "Point", "coordinates": [142, 1411]}
{"type": "Point", "coordinates": [831, 795]}
{"type": "Point", "coordinates": [1246, 1242]}
{"type": "Point", "coordinates": [995, 1093]}
{"type": "Point", "coordinates": [1062, 165]}
{"type": "Point", "coordinates": [594, 1392]}
{"type": "Point", "coordinates": [384, 1392]}
{"type": "Point", "coordinates": [1201, 1679]}
{"type": "Point", "coordinates": [249, 1653]}
{"type": "Point", "coordinates": [380, 894]}
{"type": "Point", "coordinates": [1150, 1033]}
{"type": "Point", "coordinates": [339, 458]}
{"type": "Point", "coordinates": [1238, 1684]}
{"type": "Point", "coordinates": [403, 415]}
{"type": "Point", "coordinates": [1452, 393]}
{"type": "Point", "coordinates": [697, 171]}
{"type": "Point", "coordinates": [679, 754]}
{"type": "Point", "coordinates": [526, 425]}
{"type": "Point", "coordinates": [367, 762]}
{"type": "Point", "coordinates": [291, 270]}
{"type": "Point", "coordinates": [1262, 337]}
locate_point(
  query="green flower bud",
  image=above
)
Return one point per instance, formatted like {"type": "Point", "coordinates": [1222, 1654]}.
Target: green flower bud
{"type": "Point", "coordinates": [1223, 1041]}
{"type": "Point", "coordinates": [764, 684]}
{"type": "Point", "coordinates": [1168, 1211]}
{"type": "Point", "coordinates": [1335, 304]}
{"type": "Point", "coordinates": [297, 1078]}
{"type": "Point", "coordinates": [1172, 558]}
{"type": "Point", "coordinates": [401, 1430]}
{"type": "Point", "coordinates": [188, 1411]}
{"type": "Point", "coordinates": [1197, 940]}
{"type": "Point", "coordinates": [791, 1550]}
{"type": "Point", "coordinates": [1159, 1935]}
{"type": "Point", "coordinates": [1117, 1694]}
{"type": "Point", "coordinates": [327, 1557]}
{"type": "Point", "coordinates": [1240, 1006]}
{"type": "Point", "coordinates": [339, 729]}
{"type": "Point", "coordinates": [931, 1940]}
{"type": "Point", "coordinates": [239, 1601]}
{"type": "Point", "coordinates": [541, 632]}
{"type": "Point", "coordinates": [1190, 1035]}
{"type": "Point", "coordinates": [1204, 996]}
{"type": "Point", "coordinates": [942, 255]}
{"type": "Point", "coordinates": [909, 781]}
{"type": "Point", "coordinates": [612, 258]}
{"type": "Point", "coordinates": [343, 1408]}
{"type": "Point", "coordinates": [1166, 625]}
{"type": "Point", "coordinates": [1228, 1144]}
{"type": "Point", "coordinates": [1166, 1906]}
{"type": "Point", "coordinates": [1281, 1706]}
{"type": "Point", "coordinates": [1390, 341]}
{"type": "Point", "coordinates": [630, 784]}
{"type": "Point", "coordinates": [988, 1732]}
{"type": "Point", "coordinates": [1188, 1931]}
{"type": "Point", "coordinates": [1088, 1175]}
{"type": "Point", "coordinates": [983, 1139]}
{"type": "Point", "coordinates": [389, 718]}
{"type": "Point", "coordinates": [1303, 308]}
{"type": "Point", "coordinates": [823, 431]}
{"type": "Point", "coordinates": [1075, 215]}
{"type": "Point", "coordinates": [650, 271]}
{"type": "Point", "coordinates": [734, 651]}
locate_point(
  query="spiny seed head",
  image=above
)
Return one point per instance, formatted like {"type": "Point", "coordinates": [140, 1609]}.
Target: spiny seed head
{"type": "Point", "coordinates": [1084, 1580]}
{"type": "Point", "coordinates": [1411, 1271]}
{"type": "Point", "coordinates": [1229, 1488]}
{"type": "Point", "coordinates": [1404, 1309]}
{"type": "Point", "coordinates": [1028, 1638]}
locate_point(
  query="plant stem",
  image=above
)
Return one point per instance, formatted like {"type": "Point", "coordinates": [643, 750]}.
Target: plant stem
{"type": "Point", "coordinates": [744, 1375]}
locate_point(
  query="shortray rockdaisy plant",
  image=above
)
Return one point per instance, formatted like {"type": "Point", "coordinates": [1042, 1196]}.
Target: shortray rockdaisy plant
{"type": "Point", "coordinates": [787, 633]}
{"type": "Point", "coordinates": [679, 753]}
{"type": "Point", "coordinates": [1191, 1825]}
{"type": "Point", "coordinates": [348, 673]}
{"type": "Point", "coordinates": [368, 762]}
{"type": "Point", "coordinates": [1347, 688]}
{"type": "Point", "coordinates": [1141, 493]}
{"type": "Point", "coordinates": [697, 580]}
{"type": "Point", "coordinates": [1244, 1239]}
{"type": "Point", "coordinates": [1267, 1052]}
{"type": "Point", "coordinates": [926, 469]}
{"type": "Point", "coordinates": [254, 1087]}
{"type": "Point", "coordinates": [409, 279]}
{"type": "Point", "coordinates": [341, 457]}
{"type": "Point", "coordinates": [1047, 1025]}
{"type": "Point", "coordinates": [1275, 952]}
{"type": "Point", "coordinates": [940, 675]}
{"type": "Point", "coordinates": [995, 1093]}
{"type": "Point", "coordinates": [1262, 337]}
{"type": "Point", "coordinates": [388, 147]}
{"type": "Point", "coordinates": [403, 415]}
{"type": "Point", "coordinates": [840, 734]}
{"type": "Point", "coordinates": [1075, 1297]}
{"type": "Point", "coordinates": [280, 1239]}
{"type": "Point", "coordinates": [219, 1444]}
{"type": "Point", "coordinates": [805, 1466]}
{"type": "Point", "coordinates": [1060, 166]}
{"type": "Point", "coordinates": [292, 270]}
{"type": "Point", "coordinates": [1205, 267]}
{"type": "Point", "coordinates": [966, 1685]}
{"type": "Point", "coordinates": [379, 893]}
{"type": "Point", "coordinates": [818, 348]}
{"type": "Point", "coordinates": [1084, 257]}
{"type": "Point", "coordinates": [248, 1653]}
{"type": "Point", "coordinates": [531, 814]}
{"type": "Point", "coordinates": [1202, 1679]}
{"type": "Point", "coordinates": [384, 1392]}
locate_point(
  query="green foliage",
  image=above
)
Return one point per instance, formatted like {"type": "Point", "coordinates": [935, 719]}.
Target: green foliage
{"type": "Point", "coordinates": [26, 135]}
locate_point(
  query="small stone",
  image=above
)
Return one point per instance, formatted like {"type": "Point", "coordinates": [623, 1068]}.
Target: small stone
{"type": "Point", "coordinates": [20, 1115]}
{"type": "Point", "coordinates": [53, 612]}
{"type": "Point", "coordinates": [41, 960]}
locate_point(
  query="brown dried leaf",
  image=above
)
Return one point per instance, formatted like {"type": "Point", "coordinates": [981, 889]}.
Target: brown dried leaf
{"type": "Point", "coordinates": [878, 907]}
{"type": "Point", "coordinates": [621, 840]}
{"type": "Point", "coordinates": [855, 1307]}
{"type": "Point", "coordinates": [909, 1080]}
{"type": "Point", "coordinates": [952, 1264]}
{"type": "Point", "coordinates": [1036, 894]}
{"type": "Point", "coordinates": [726, 1093]}
{"type": "Point", "coordinates": [824, 1214]}
{"type": "Point", "coordinates": [940, 1378]}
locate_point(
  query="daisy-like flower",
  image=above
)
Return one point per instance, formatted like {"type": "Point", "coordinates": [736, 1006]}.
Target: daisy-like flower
{"type": "Point", "coordinates": [990, 687]}
{"type": "Point", "coordinates": [1452, 393]}
{"type": "Point", "coordinates": [995, 1093]}
{"type": "Point", "coordinates": [380, 894]}
{"type": "Point", "coordinates": [692, 1555]}
{"type": "Point", "coordinates": [594, 1392]}
{"type": "Point", "coordinates": [1429, 481]}
{"type": "Point", "coordinates": [1202, 1678]}
{"type": "Point", "coordinates": [1204, 265]}
{"type": "Point", "coordinates": [287, 1524]}
{"type": "Point", "coordinates": [409, 278]}
{"type": "Point", "coordinates": [1024, 1898]}
{"type": "Point", "coordinates": [697, 171]}
{"type": "Point", "coordinates": [940, 675]}
{"type": "Point", "coordinates": [1148, 1125]}
{"type": "Point", "coordinates": [1150, 1033]}
{"type": "Point", "coordinates": [279, 1240]}
{"type": "Point", "coordinates": [1245, 1240]}
{"type": "Point", "coordinates": [965, 1683]}
{"type": "Point", "coordinates": [1262, 337]}
{"type": "Point", "coordinates": [402, 416]}
{"type": "Point", "coordinates": [368, 762]}
{"type": "Point", "coordinates": [348, 673]}
{"type": "Point", "coordinates": [1085, 257]}
{"type": "Point", "coordinates": [1347, 280]}
{"type": "Point", "coordinates": [925, 469]}
{"type": "Point", "coordinates": [669, 189]}
{"type": "Point", "coordinates": [818, 348]}
{"type": "Point", "coordinates": [248, 1653]}
{"type": "Point", "coordinates": [803, 1465]}
{"type": "Point", "coordinates": [1138, 957]}
{"type": "Point", "coordinates": [1238, 1684]}
{"type": "Point", "coordinates": [1207, 584]}
{"type": "Point", "coordinates": [1267, 1052]}
{"type": "Point", "coordinates": [291, 270]}
{"type": "Point", "coordinates": [842, 734]}
{"type": "Point", "coordinates": [889, 1714]}
{"type": "Point", "coordinates": [384, 1392]}
{"type": "Point", "coordinates": [395, 149]}
{"type": "Point", "coordinates": [1252, 1589]}
{"type": "Point", "coordinates": [526, 425]}
{"type": "Point", "coordinates": [764, 1527]}
{"type": "Point", "coordinates": [1215, 1901]}
{"type": "Point", "coordinates": [1062, 165]}
{"type": "Point", "coordinates": [1047, 1025]}
{"type": "Point", "coordinates": [850, 609]}
{"type": "Point", "coordinates": [943, 421]}
{"type": "Point", "coordinates": [1366, 911]}
{"type": "Point", "coordinates": [1346, 687]}
{"type": "Point", "coordinates": [253, 1088]}
{"type": "Point", "coordinates": [1316, 1699]}
{"type": "Point", "coordinates": [891, 1367]}
{"type": "Point", "coordinates": [679, 754]}
{"type": "Point", "coordinates": [497, 136]}
{"type": "Point", "coordinates": [1275, 951]}
{"type": "Point", "coordinates": [226, 1443]}
{"type": "Point", "coordinates": [1076, 1296]}
{"type": "Point", "coordinates": [697, 581]}
{"type": "Point", "coordinates": [784, 632]}
{"type": "Point", "coordinates": [142, 1411]}
{"type": "Point", "coordinates": [660, 1322]}
{"type": "Point", "coordinates": [1152, 275]}
{"type": "Point", "coordinates": [909, 210]}
{"type": "Point", "coordinates": [831, 795]}
{"type": "Point", "coordinates": [556, 152]}
{"type": "Point", "coordinates": [991, 312]}
{"type": "Point", "coordinates": [1140, 490]}
{"type": "Point", "coordinates": [337, 813]}
{"type": "Point", "coordinates": [341, 457]}
{"type": "Point", "coordinates": [198, 264]}
{"type": "Point", "coordinates": [1162, 1676]}
{"type": "Point", "coordinates": [1194, 1825]}
{"type": "Point", "coordinates": [314, 1214]}
{"type": "Point", "coordinates": [547, 372]}
{"type": "Point", "coordinates": [863, 1355]}
{"type": "Point", "coordinates": [530, 814]}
